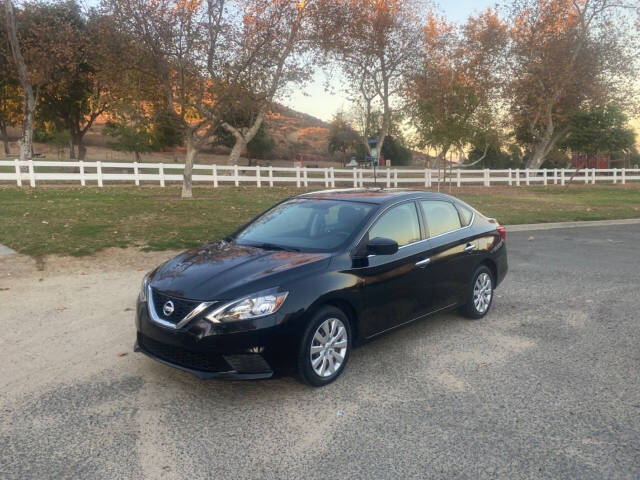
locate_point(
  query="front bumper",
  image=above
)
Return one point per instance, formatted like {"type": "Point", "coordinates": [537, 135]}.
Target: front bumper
{"type": "Point", "coordinates": [196, 349]}
{"type": "Point", "coordinates": [241, 366]}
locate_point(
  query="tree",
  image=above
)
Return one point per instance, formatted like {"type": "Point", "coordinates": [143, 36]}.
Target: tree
{"type": "Point", "coordinates": [342, 137]}
{"type": "Point", "coordinates": [451, 95]}
{"type": "Point", "coordinates": [375, 44]}
{"type": "Point", "coordinates": [260, 145]}
{"type": "Point", "coordinates": [269, 56]}
{"type": "Point", "coordinates": [396, 152]}
{"type": "Point", "coordinates": [599, 130]}
{"type": "Point", "coordinates": [135, 136]}
{"type": "Point", "coordinates": [10, 93]}
{"type": "Point", "coordinates": [29, 106]}
{"type": "Point", "coordinates": [565, 54]}
{"type": "Point", "coordinates": [167, 41]}
{"type": "Point", "coordinates": [89, 85]}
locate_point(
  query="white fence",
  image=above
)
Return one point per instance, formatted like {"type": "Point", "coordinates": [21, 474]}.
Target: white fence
{"type": "Point", "coordinates": [35, 172]}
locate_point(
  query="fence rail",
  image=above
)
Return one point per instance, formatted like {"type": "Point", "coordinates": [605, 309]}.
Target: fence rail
{"type": "Point", "coordinates": [35, 172]}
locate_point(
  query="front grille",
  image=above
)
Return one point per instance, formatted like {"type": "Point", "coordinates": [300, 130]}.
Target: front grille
{"type": "Point", "coordinates": [181, 307]}
{"type": "Point", "coordinates": [183, 357]}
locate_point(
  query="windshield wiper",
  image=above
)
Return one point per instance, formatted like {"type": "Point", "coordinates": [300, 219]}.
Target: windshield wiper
{"type": "Point", "coordinates": [273, 246]}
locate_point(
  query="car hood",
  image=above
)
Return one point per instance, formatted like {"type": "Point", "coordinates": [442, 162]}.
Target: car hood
{"type": "Point", "coordinates": [218, 271]}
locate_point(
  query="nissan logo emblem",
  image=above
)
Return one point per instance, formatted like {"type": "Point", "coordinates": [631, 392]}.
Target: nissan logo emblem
{"type": "Point", "coordinates": [168, 308]}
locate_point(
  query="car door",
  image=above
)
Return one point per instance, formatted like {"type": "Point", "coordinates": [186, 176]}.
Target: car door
{"type": "Point", "coordinates": [450, 252]}
{"type": "Point", "coordinates": [391, 283]}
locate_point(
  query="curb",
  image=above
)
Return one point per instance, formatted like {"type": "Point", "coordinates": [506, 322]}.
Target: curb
{"type": "Point", "coordinates": [590, 223]}
{"type": "Point", "coordinates": [6, 250]}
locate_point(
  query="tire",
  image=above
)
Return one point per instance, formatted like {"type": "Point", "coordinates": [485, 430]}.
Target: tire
{"type": "Point", "coordinates": [479, 294]}
{"type": "Point", "coordinates": [322, 366]}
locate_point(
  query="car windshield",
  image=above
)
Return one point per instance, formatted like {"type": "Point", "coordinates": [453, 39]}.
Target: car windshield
{"type": "Point", "coordinates": [306, 224]}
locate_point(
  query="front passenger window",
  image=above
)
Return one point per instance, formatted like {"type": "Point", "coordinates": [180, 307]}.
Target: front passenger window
{"type": "Point", "coordinates": [398, 223]}
{"type": "Point", "coordinates": [441, 217]}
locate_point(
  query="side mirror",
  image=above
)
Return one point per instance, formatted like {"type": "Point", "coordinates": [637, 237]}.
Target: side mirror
{"type": "Point", "coordinates": [382, 246]}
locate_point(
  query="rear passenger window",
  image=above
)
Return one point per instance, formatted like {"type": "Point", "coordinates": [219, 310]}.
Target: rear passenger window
{"type": "Point", "coordinates": [398, 223]}
{"type": "Point", "coordinates": [465, 215]}
{"type": "Point", "coordinates": [441, 217]}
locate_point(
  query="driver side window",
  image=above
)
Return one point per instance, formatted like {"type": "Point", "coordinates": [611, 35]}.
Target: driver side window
{"type": "Point", "coordinates": [398, 223]}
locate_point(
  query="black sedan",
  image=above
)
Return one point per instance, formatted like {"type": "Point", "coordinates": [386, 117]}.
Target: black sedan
{"type": "Point", "coordinates": [313, 277]}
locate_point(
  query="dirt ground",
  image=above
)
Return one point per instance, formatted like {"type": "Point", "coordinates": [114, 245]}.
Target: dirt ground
{"type": "Point", "coordinates": [56, 289]}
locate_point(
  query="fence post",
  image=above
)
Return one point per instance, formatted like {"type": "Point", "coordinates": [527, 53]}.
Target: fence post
{"type": "Point", "coordinates": [429, 175]}
{"type": "Point", "coordinates": [624, 175]}
{"type": "Point", "coordinates": [161, 174]}
{"type": "Point", "coordinates": [270, 175]}
{"type": "Point", "coordinates": [99, 172]}
{"type": "Point", "coordinates": [304, 173]}
{"type": "Point", "coordinates": [510, 181]}
{"type": "Point", "coordinates": [562, 177]}
{"type": "Point", "coordinates": [426, 179]}
{"type": "Point", "coordinates": [258, 181]}
{"type": "Point", "coordinates": [555, 176]}
{"type": "Point", "coordinates": [395, 178]}
{"type": "Point", "coordinates": [333, 178]}
{"type": "Point", "coordinates": [544, 175]}
{"type": "Point", "coordinates": [361, 177]}
{"type": "Point", "coordinates": [458, 179]}
{"type": "Point", "coordinates": [355, 178]}
{"type": "Point", "coordinates": [83, 181]}
{"type": "Point", "coordinates": [326, 178]}
{"type": "Point", "coordinates": [388, 178]}
{"type": "Point", "coordinates": [586, 175]}
{"type": "Point", "coordinates": [297, 176]}
{"type": "Point", "coordinates": [214, 172]}
{"type": "Point", "coordinates": [136, 174]}
{"type": "Point", "coordinates": [487, 177]}
{"type": "Point", "coordinates": [526, 176]}
{"type": "Point", "coordinates": [32, 174]}
{"type": "Point", "coordinates": [593, 179]}
{"type": "Point", "coordinates": [235, 174]}
{"type": "Point", "coordinates": [615, 176]}
{"type": "Point", "coordinates": [18, 173]}
{"type": "Point", "coordinates": [517, 177]}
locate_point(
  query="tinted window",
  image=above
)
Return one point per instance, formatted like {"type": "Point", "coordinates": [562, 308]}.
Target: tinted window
{"type": "Point", "coordinates": [465, 215]}
{"type": "Point", "coordinates": [441, 217]}
{"type": "Point", "coordinates": [399, 223]}
{"type": "Point", "coordinates": [307, 224]}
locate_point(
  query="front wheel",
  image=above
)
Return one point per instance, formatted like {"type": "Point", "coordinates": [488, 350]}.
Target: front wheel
{"type": "Point", "coordinates": [325, 347]}
{"type": "Point", "coordinates": [480, 295]}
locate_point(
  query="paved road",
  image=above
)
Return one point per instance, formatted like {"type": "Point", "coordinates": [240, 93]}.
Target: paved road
{"type": "Point", "coordinates": [548, 386]}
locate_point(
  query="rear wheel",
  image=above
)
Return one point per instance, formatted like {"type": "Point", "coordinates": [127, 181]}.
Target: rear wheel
{"type": "Point", "coordinates": [325, 347]}
{"type": "Point", "coordinates": [480, 295]}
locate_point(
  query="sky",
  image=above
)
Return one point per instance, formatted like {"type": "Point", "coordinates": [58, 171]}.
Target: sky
{"type": "Point", "coordinates": [314, 100]}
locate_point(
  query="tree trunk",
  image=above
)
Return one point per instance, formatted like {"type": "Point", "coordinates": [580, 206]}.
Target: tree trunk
{"type": "Point", "coordinates": [192, 153]}
{"type": "Point", "coordinates": [78, 141]}
{"type": "Point", "coordinates": [236, 151]}
{"type": "Point", "coordinates": [30, 100]}
{"type": "Point", "coordinates": [5, 138]}
{"type": "Point", "coordinates": [242, 138]}
{"type": "Point", "coordinates": [72, 150]}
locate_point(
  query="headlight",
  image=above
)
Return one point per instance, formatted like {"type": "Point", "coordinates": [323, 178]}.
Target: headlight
{"type": "Point", "coordinates": [144, 288]}
{"type": "Point", "coordinates": [253, 306]}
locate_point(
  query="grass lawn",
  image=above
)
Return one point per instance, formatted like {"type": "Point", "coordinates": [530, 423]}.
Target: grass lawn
{"type": "Point", "coordinates": [79, 221]}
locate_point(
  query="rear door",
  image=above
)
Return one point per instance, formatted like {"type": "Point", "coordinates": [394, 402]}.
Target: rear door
{"type": "Point", "coordinates": [451, 249]}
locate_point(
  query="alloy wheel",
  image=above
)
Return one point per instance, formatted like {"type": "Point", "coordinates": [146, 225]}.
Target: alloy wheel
{"type": "Point", "coordinates": [482, 292]}
{"type": "Point", "coordinates": [328, 347]}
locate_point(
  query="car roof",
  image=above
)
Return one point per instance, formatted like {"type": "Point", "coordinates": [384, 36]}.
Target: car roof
{"type": "Point", "coordinates": [377, 196]}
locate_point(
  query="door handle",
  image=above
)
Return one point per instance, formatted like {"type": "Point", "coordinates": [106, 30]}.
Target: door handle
{"type": "Point", "coordinates": [423, 263]}
{"type": "Point", "coordinates": [470, 248]}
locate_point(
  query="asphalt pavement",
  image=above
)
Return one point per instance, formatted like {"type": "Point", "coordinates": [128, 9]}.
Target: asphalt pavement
{"type": "Point", "coordinates": [547, 386]}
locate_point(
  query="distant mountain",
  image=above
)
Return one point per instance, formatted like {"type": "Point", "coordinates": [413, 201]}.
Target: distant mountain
{"type": "Point", "coordinates": [297, 133]}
